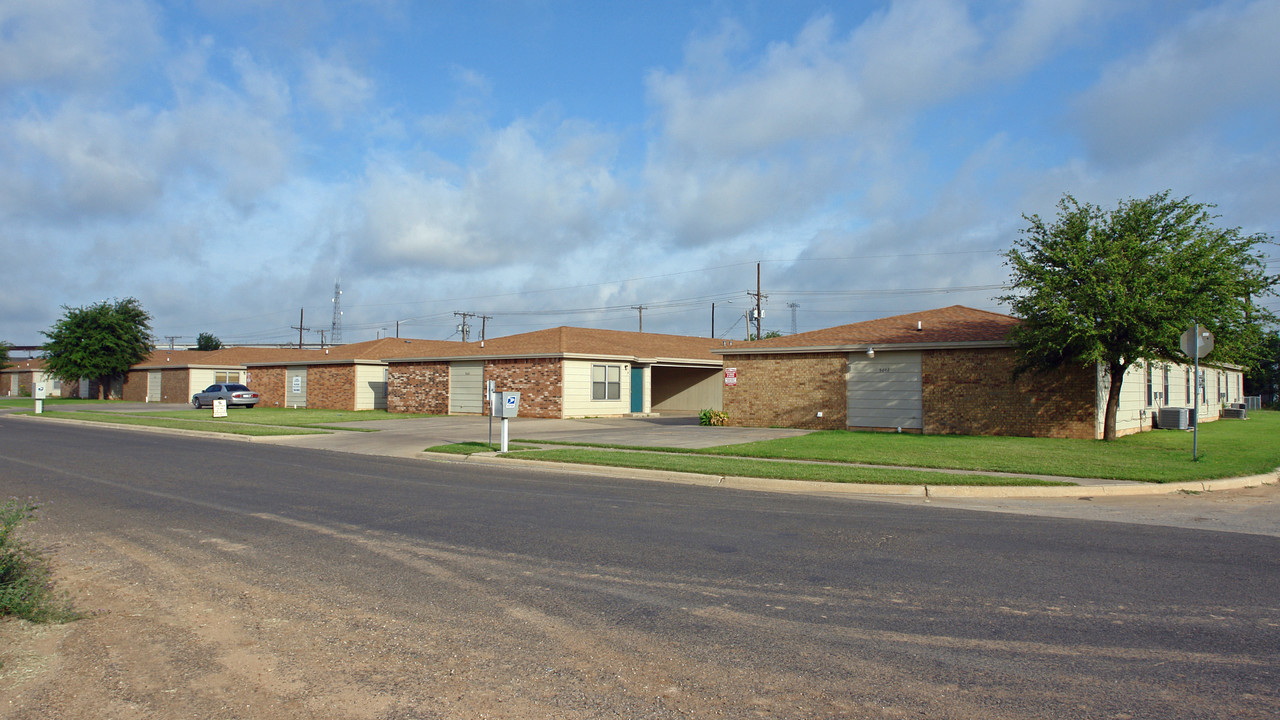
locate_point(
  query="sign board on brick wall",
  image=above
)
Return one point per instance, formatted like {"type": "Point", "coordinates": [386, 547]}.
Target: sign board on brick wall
{"type": "Point", "coordinates": [731, 376]}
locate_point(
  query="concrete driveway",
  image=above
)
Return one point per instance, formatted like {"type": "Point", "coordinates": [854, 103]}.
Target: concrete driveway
{"type": "Point", "coordinates": [407, 438]}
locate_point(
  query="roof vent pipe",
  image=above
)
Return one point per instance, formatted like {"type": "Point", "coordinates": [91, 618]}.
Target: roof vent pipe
{"type": "Point", "coordinates": [919, 326]}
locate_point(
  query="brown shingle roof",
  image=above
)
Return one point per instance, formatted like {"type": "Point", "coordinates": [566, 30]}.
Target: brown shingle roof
{"type": "Point", "coordinates": [583, 341]}
{"type": "Point", "coordinates": [955, 324]}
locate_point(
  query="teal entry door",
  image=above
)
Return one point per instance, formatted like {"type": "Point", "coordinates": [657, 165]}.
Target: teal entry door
{"type": "Point", "coordinates": [637, 389]}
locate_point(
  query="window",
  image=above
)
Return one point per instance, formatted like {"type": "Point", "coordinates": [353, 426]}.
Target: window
{"type": "Point", "coordinates": [1188, 376]}
{"type": "Point", "coordinates": [1150, 400]}
{"type": "Point", "coordinates": [606, 382]}
{"type": "Point", "coordinates": [1166, 385]}
{"type": "Point", "coordinates": [227, 376]}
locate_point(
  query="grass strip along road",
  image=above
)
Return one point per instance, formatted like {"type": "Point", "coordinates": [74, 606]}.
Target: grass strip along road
{"type": "Point", "coordinates": [1228, 448]}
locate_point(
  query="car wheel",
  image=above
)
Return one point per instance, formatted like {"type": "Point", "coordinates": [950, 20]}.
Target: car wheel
{"type": "Point", "coordinates": [196, 401]}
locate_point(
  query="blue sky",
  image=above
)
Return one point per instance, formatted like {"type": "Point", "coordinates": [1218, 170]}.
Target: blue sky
{"type": "Point", "coordinates": [549, 163]}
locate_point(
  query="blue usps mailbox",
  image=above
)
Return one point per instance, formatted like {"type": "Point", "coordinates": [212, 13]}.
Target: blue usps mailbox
{"type": "Point", "coordinates": [506, 405]}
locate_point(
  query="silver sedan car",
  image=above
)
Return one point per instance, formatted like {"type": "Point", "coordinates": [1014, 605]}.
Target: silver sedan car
{"type": "Point", "coordinates": [234, 393]}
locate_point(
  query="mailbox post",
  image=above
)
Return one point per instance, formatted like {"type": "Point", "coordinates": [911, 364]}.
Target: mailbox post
{"type": "Point", "coordinates": [507, 405]}
{"type": "Point", "coordinates": [39, 393]}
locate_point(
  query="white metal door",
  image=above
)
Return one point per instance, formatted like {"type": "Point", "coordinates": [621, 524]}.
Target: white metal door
{"type": "Point", "coordinates": [295, 386]}
{"type": "Point", "coordinates": [466, 387]}
{"type": "Point", "coordinates": [885, 391]}
{"type": "Point", "coordinates": [153, 386]}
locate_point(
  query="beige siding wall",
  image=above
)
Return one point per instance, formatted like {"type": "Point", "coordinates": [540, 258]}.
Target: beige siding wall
{"type": "Point", "coordinates": [201, 378]}
{"type": "Point", "coordinates": [577, 390]}
{"type": "Point", "coordinates": [371, 387]}
{"type": "Point", "coordinates": [686, 390]}
{"type": "Point", "coordinates": [1137, 412]}
{"type": "Point", "coordinates": [885, 391]}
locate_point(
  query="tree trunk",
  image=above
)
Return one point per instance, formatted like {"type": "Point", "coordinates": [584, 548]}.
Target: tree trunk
{"type": "Point", "coordinates": [1116, 372]}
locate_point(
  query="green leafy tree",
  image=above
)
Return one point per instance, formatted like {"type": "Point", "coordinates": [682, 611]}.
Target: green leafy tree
{"type": "Point", "coordinates": [100, 341]}
{"type": "Point", "coordinates": [4, 354]}
{"type": "Point", "coordinates": [1264, 379]}
{"type": "Point", "coordinates": [207, 341]}
{"type": "Point", "coordinates": [1115, 287]}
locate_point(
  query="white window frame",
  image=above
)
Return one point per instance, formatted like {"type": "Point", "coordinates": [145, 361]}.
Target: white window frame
{"type": "Point", "coordinates": [604, 389]}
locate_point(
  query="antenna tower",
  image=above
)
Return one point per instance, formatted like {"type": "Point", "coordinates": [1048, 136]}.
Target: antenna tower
{"type": "Point", "coordinates": [335, 330]}
{"type": "Point", "coordinates": [793, 307]}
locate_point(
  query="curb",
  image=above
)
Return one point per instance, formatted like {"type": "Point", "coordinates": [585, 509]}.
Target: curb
{"type": "Point", "coordinates": [817, 487]}
{"type": "Point", "coordinates": [722, 481]}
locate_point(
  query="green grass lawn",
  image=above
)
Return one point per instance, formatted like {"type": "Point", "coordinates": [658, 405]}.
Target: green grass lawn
{"type": "Point", "coordinates": [1228, 448]}
{"type": "Point", "coordinates": [26, 402]}
{"type": "Point", "coordinates": [207, 424]}
{"type": "Point", "coordinates": [301, 417]}
{"type": "Point", "coordinates": [746, 467]}
{"type": "Point", "coordinates": [239, 421]}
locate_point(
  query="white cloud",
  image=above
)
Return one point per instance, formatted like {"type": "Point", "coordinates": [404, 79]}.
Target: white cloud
{"type": "Point", "coordinates": [72, 43]}
{"type": "Point", "coordinates": [521, 199]}
{"type": "Point", "coordinates": [336, 87]}
{"type": "Point", "coordinates": [823, 119]}
{"type": "Point", "coordinates": [1211, 66]}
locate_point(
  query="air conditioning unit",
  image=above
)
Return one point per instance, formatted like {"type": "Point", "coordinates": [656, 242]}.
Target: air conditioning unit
{"type": "Point", "coordinates": [1236, 413]}
{"type": "Point", "coordinates": [1174, 418]}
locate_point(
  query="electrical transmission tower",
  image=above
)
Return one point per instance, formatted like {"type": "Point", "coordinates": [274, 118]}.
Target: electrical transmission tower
{"type": "Point", "coordinates": [335, 330]}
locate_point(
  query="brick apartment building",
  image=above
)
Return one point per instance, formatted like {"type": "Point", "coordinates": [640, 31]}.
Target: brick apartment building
{"type": "Point", "coordinates": [945, 371]}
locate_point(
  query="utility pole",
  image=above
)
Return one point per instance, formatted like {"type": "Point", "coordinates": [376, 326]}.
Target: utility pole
{"type": "Point", "coordinates": [171, 338]}
{"type": "Point", "coordinates": [299, 327]}
{"type": "Point", "coordinates": [321, 339]}
{"type": "Point", "coordinates": [759, 296]}
{"type": "Point", "coordinates": [793, 307]}
{"type": "Point", "coordinates": [483, 321]}
{"type": "Point", "coordinates": [640, 308]}
{"type": "Point", "coordinates": [397, 329]}
{"type": "Point", "coordinates": [464, 328]}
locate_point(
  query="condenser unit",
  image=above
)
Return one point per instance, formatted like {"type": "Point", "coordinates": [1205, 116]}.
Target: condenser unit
{"type": "Point", "coordinates": [1237, 413]}
{"type": "Point", "coordinates": [1174, 418]}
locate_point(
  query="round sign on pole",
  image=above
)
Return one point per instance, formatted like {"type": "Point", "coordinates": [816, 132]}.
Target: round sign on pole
{"type": "Point", "coordinates": [1196, 342]}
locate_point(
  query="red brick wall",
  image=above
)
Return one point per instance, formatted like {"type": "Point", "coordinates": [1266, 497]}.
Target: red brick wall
{"type": "Point", "coordinates": [418, 387]}
{"type": "Point", "coordinates": [973, 392]}
{"type": "Point", "coordinates": [135, 386]}
{"type": "Point", "coordinates": [174, 384]}
{"type": "Point", "coordinates": [268, 382]}
{"type": "Point", "coordinates": [331, 387]}
{"type": "Point", "coordinates": [788, 390]}
{"type": "Point", "coordinates": [540, 382]}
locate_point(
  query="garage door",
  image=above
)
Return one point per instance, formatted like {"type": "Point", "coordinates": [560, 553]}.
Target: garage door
{"type": "Point", "coordinates": [885, 390]}
{"type": "Point", "coordinates": [295, 386]}
{"type": "Point", "coordinates": [153, 386]}
{"type": "Point", "coordinates": [466, 387]}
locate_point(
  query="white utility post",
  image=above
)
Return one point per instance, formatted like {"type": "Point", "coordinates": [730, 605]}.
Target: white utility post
{"type": "Point", "coordinates": [38, 393]}
{"type": "Point", "coordinates": [493, 401]}
{"type": "Point", "coordinates": [1196, 342]}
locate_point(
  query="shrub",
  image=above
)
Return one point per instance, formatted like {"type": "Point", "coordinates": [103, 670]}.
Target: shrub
{"type": "Point", "coordinates": [26, 584]}
{"type": "Point", "coordinates": [713, 417]}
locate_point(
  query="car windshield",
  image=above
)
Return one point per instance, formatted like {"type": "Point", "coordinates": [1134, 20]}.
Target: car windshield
{"type": "Point", "coordinates": [236, 387]}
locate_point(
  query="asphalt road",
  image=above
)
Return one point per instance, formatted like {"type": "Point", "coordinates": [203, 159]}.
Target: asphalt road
{"type": "Point", "coordinates": [751, 604]}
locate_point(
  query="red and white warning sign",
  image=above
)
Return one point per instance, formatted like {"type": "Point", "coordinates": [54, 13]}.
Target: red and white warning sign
{"type": "Point", "coordinates": [731, 376]}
